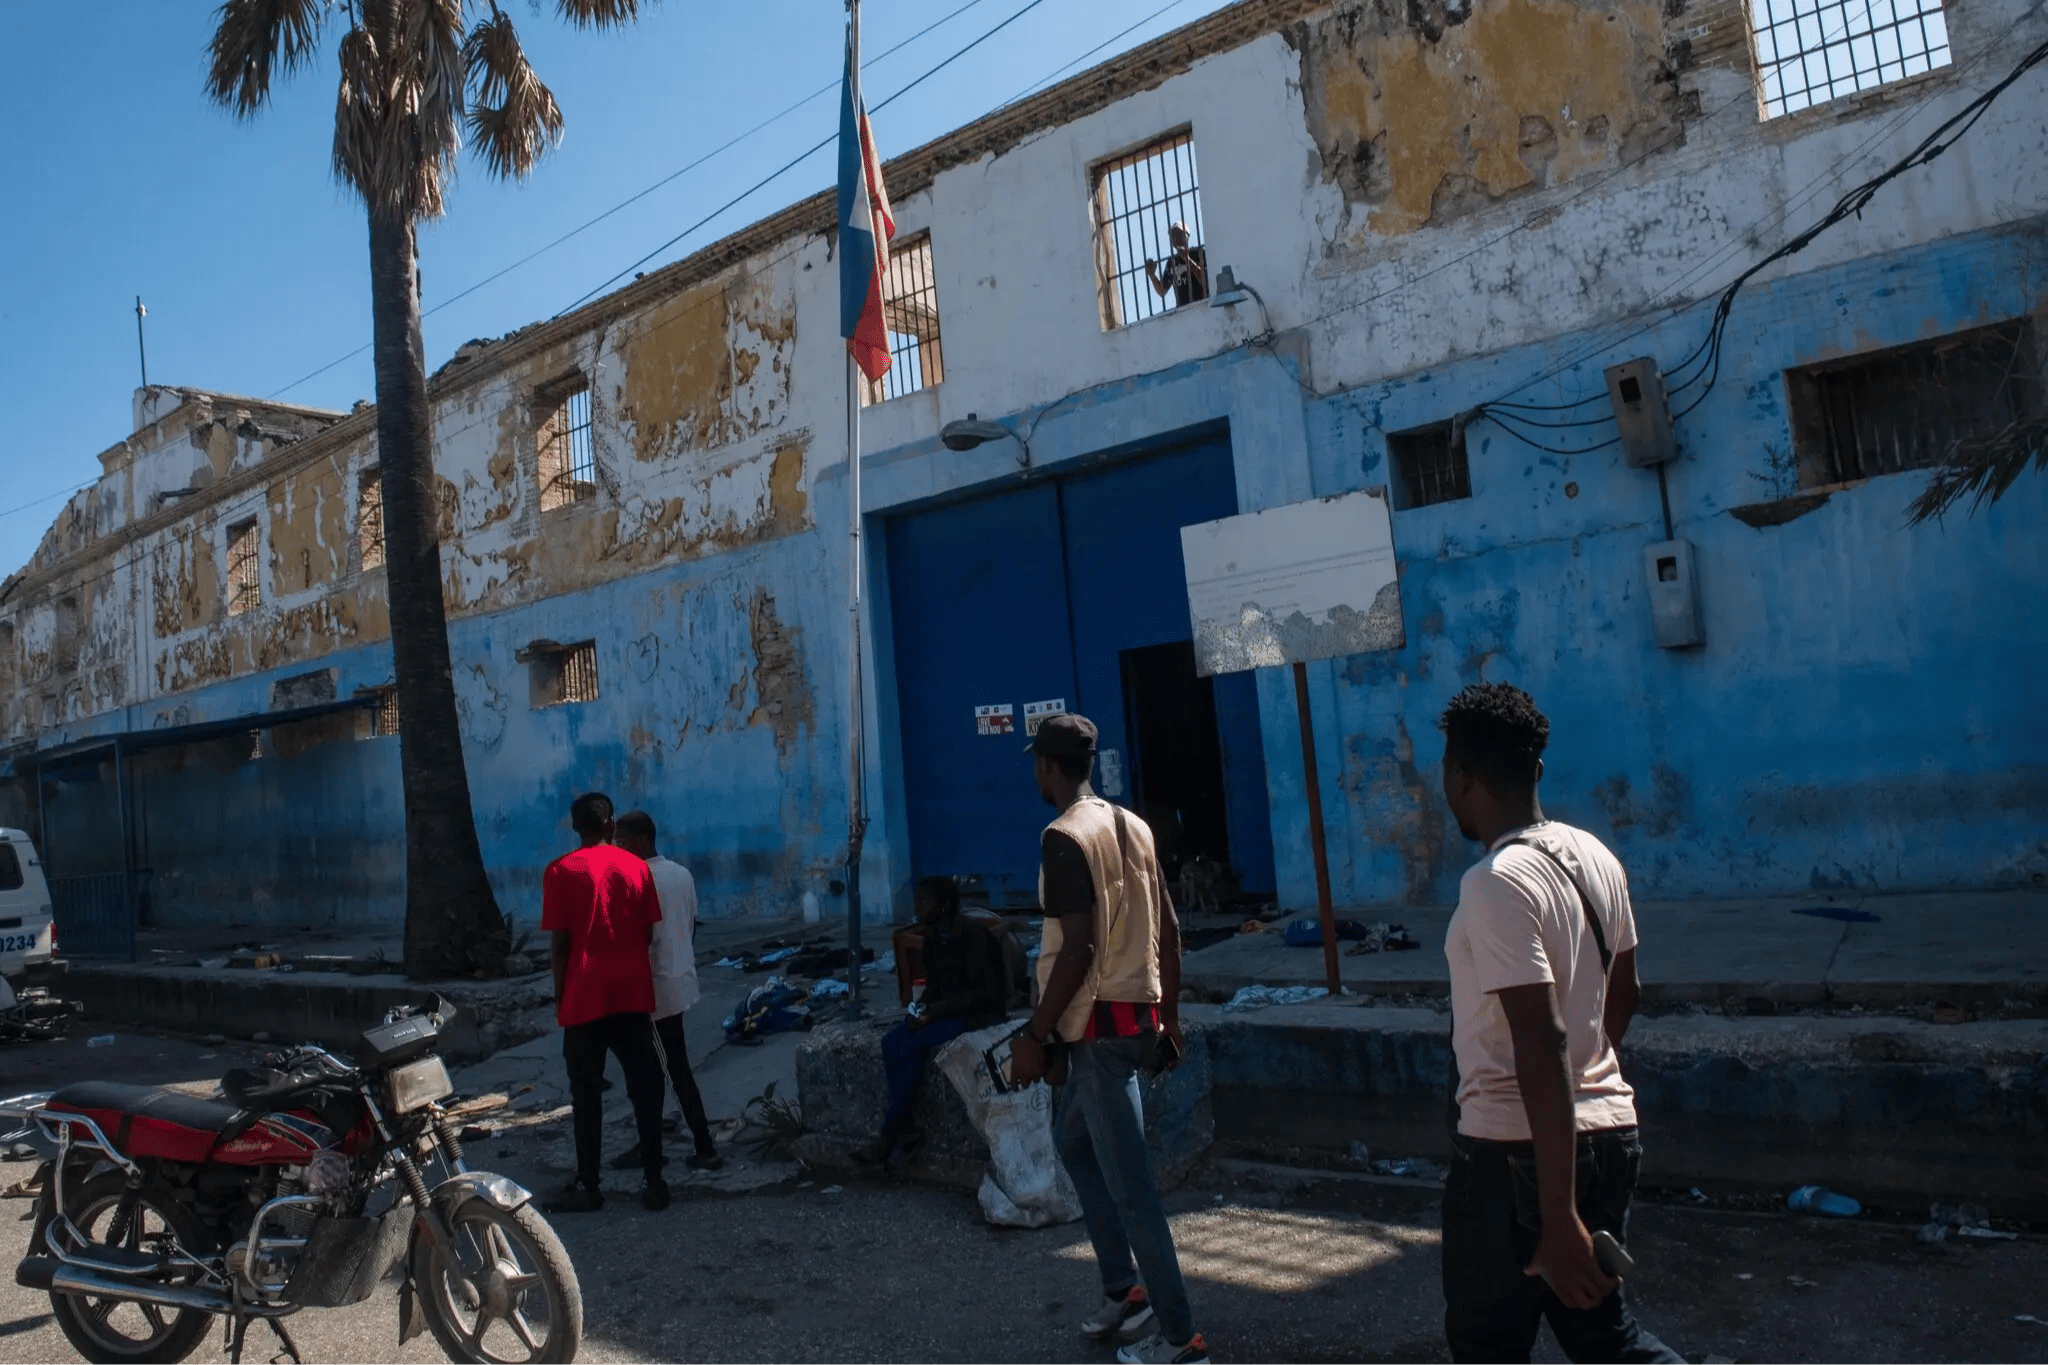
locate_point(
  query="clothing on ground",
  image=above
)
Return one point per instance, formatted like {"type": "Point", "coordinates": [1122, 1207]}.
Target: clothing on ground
{"type": "Point", "coordinates": [1099, 1129]}
{"type": "Point", "coordinates": [673, 952]}
{"type": "Point", "coordinates": [905, 1052]}
{"type": "Point", "coordinates": [603, 898]}
{"type": "Point", "coordinates": [630, 1038]}
{"type": "Point", "coordinates": [675, 1056]}
{"type": "Point", "coordinates": [1491, 1223]}
{"type": "Point", "coordinates": [1519, 922]}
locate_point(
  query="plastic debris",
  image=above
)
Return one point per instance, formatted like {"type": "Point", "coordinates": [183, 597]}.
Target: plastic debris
{"type": "Point", "coordinates": [1259, 997]}
{"type": "Point", "coordinates": [730, 962]}
{"type": "Point", "coordinates": [1823, 1201]}
{"type": "Point", "coordinates": [1988, 1234]}
{"type": "Point", "coordinates": [885, 963]}
{"type": "Point", "coordinates": [779, 955]}
{"type": "Point", "coordinates": [1801, 1282]}
{"type": "Point", "coordinates": [2029, 1317]}
{"type": "Point", "coordinates": [830, 989]}
{"type": "Point", "coordinates": [832, 1189]}
{"type": "Point", "coordinates": [1698, 1195]}
{"type": "Point", "coordinates": [1361, 1155]}
{"type": "Point", "coordinates": [100, 1040]}
{"type": "Point", "coordinates": [1409, 1167]}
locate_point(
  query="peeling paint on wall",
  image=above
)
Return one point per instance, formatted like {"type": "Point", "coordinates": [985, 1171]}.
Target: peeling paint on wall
{"type": "Point", "coordinates": [707, 368]}
{"type": "Point", "coordinates": [1424, 111]}
{"type": "Point", "coordinates": [782, 695]}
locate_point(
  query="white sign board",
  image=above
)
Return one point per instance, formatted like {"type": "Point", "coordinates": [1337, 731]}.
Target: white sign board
{"type": "Point", "coordinates": [1000, 719]}
{"type": "Point", "coordinates": [1311, 580]}
{"type": "Point", "coordinates": [1037, 713]}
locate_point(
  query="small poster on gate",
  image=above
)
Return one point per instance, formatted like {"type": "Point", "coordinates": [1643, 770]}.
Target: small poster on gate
{"type": "Point", "coordinates": [995, 720]}
{"type": "Point", "coordinates": [1037, 713]}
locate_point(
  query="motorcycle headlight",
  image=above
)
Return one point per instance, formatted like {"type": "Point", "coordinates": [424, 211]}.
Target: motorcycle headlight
{"type": "Point", "coordinates": [418, 1084]}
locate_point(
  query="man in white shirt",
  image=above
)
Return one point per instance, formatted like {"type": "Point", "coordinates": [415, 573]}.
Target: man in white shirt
{"type": "Point", "coordinates": [674, 959]}
{"type": "Point", "coordinates": [1542, 954]}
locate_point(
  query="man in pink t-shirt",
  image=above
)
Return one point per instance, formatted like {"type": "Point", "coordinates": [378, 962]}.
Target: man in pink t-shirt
{"type": "Point", "coordinates": [599, 908]}
{"type": "Point", "coordinates": [1542, 954]}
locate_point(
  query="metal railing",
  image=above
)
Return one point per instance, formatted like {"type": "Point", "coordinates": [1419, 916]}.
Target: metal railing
{"type": "Point", "coordinates": [96, 916]}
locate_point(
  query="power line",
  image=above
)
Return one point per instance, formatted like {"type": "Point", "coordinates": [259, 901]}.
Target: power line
{"type": "Point", "coordinates": [635, 198]}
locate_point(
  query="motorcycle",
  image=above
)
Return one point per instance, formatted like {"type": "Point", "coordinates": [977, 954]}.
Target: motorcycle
{"type": "Point", "coordinates": [33, 1014]}
{"type": "Point", "coordinates": [306, 1187]}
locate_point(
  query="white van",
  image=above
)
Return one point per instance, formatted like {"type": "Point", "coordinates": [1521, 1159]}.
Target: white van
{"type": "Point", "coordinates": [28, 935]}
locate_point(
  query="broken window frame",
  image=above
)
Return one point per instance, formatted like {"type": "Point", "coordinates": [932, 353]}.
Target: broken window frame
{"type": "Point", "coordinates": [370, 518]}
{"type": "Point", "coordinates": [1428, 465]}
{"type": "Point", "coordinates": [245, 566]}
{"type": "Point", "coordinates": [910, 308]}
{"type": "Point", "coordinates": [565, 441]}
{"type": "Point", "coordinates": [561, 674]}
{"type": "Point", "coordinates": [1906, 407]}
{"type": "Point", "coordinates": [1137, 195]}
{"type": "Point", "coordinates": [1808, 53]}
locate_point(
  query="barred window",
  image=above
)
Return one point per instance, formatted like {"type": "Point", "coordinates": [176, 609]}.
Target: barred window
{"type": "Point", "coordinates": [910, 306]}
{"type": "Point", "coordinates": [245, 580]}
{"type": "Point", "coordinates": [559, 674]}
{"type": "Point", "coordinates": [1811, 51]}
{"type": "Point", "coordinates": [1429, 466]}
{"type": "Point", "coordinates": [370, 518]}
{"type": "Point", "coordinates": [1908, 407]}
{"type": "Point", "coordinates": [1148, 231]}
{"type": "Point", "coordinates": [568, 457]}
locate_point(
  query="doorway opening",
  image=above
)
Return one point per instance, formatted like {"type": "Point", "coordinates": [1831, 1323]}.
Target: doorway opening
{"type": "Point", "coordinates": [1176, 758]}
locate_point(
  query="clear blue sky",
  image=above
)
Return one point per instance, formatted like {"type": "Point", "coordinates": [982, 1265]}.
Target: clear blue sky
{"type": "Point", "coordinates": [254, 263]}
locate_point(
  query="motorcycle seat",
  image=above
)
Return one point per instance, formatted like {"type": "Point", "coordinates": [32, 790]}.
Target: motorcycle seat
{"type": "Point", "coordinates": [144, 1120]}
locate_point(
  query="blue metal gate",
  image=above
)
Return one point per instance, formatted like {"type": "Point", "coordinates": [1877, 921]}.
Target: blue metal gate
{"type": "Point", "coordinates": [1034, 595]}
{"type": "Point", "coordinates": [95, 915]}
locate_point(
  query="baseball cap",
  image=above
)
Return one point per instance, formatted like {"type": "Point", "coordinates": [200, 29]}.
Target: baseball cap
{"type": "Point", "coordinates": [1064, 736]}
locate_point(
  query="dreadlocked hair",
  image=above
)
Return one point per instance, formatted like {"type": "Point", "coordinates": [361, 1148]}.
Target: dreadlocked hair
{"type": "Point", "coordinates": [1495, 732]}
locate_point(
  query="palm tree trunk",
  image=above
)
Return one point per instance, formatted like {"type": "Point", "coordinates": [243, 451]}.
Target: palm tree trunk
{"type": "Point", "coordinates": [452, 923]}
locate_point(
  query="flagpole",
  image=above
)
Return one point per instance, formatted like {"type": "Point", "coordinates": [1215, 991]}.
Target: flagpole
{"type": "Point", "coordinates": [856, 718]}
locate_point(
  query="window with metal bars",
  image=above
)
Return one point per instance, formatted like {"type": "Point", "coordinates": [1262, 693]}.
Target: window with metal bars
{"type": "Point", "coordinates": [1811, 51]}
{"type": "Point", "coordinates": [384, 719]}
{"type": "Point", "coordinates": [1149, 257]}
{"type": "Point", "coordinates": [245, 574]}
{"type": "Point", "coordinates": [1429, 466]}
{"type": "Point", "coordinates": [563, 673]}
{"type": "Point", "coordinates": [370, 519]}
{"type": "Point", "coordinates": [568, 454]}
{"type": "Point", "coordinates": [1908, 407]}
{"type": "Point", "coordinates": [910, 307]}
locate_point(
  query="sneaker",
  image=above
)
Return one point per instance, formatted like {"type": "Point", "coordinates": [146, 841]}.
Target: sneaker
{"type": "Point", "coordinates": [575, 1199]}
{"type": "Point", "coordinates": [654, 1197]}
{"type": "Point", "coordinates": [1122, 1319]}
{"type": "Point", "coordinates": [628, 1160]}
{"type": "Point", "coordinates": [1157, 1350]}
{"type": "Point", "coordinates": [705, 1161]}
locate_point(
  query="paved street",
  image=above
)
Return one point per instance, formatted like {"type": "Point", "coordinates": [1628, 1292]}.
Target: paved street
{"type": "Point", "coordinates": [1344, 1270]}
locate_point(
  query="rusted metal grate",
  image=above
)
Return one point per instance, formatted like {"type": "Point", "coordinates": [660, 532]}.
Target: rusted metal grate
{"type": "Point", "coordinates": [1907, 408]}
{"type": "Point", "coordinates": [1140, 198]}
{"type": "Point", "coordinates": [579, 672]}
{"type": "Point", "coordinates": [1811, 51]}
{"type": "Point", "coordinates": [910, 306]}
{"type": "Point", "coordinates": [568, 456]}
{"type": "Point", "coordinates": [245, 574]}
{"type": "Point", "coordinates": [1430, 466]}
{"type": "Point", "coordinates": [370, 519]}
{"type": "Point", "coordinates": [386, 722]}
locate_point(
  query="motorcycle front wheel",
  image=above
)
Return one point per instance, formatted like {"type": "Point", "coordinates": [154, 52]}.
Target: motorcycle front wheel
{"type": "Point", "coordinates": [118, 1331]}
{"type": "Point", "coordinates": [520, 1305]}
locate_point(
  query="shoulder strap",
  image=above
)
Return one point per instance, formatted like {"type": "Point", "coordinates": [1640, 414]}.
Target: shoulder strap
{"type": "Point", "coordinates": [1592, 920]}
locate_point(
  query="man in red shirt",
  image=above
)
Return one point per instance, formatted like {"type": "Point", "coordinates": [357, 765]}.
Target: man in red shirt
{"type": "Point", "coordinates": [600, 908]}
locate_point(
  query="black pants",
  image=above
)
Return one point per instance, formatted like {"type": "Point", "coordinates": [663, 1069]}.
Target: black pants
{"type": "Point", "coordinates": [1491, 1307]}
{"type": "Point", "coordinates": [668, 1036]}
{"type": "Point", "coordinates": [630, 1038]}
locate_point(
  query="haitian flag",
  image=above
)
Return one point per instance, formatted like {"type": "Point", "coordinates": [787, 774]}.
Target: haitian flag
{"type": "Point", "coordinates": [865, 227]}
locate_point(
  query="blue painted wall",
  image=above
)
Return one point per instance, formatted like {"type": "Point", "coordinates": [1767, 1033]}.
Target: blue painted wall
{"type": "Point", "coordinates": [1865, 711]}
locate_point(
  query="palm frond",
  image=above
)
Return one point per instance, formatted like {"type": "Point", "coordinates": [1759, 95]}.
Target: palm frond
{"type": "Point", "coordinates": [433, 53]}
{"type": "Point", "coordinates": [598, 13]}
{"type": "Point", "coordinates": [513, 117]}
{"type": "Point", "coordinates": [1983, 469]}
{"type": "Point", "coordinates": [256, 42]}
{"type": "Point", "coordinates": [358, 111]}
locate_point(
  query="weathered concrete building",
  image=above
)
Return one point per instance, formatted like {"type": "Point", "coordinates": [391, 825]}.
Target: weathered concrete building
{"type": "Point", "coordinates": [1449, 220]}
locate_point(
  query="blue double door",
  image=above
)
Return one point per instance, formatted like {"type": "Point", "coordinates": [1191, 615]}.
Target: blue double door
{"type": "Point", "coordinates": [1071, 591]}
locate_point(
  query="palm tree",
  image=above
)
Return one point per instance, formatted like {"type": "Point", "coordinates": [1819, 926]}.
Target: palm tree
{"type": "Point", "coordinates": [413, 73]}
{"type": "Point", "coordinates": [1983, 468]}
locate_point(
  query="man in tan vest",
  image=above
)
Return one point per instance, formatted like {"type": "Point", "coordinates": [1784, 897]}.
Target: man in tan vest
{"type": "Point", "coordinates": [1109, 1007]}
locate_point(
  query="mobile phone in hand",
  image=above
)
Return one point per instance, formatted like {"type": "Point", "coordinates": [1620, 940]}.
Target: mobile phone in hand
{"type": "Point", "coordinates": [1612, 1255]}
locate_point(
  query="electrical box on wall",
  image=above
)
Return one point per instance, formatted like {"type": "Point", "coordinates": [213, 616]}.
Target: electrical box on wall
{"type": "Point", "coordinates": [1674, 595]}
{"type": "Point", "coordinates": [1642, 411]}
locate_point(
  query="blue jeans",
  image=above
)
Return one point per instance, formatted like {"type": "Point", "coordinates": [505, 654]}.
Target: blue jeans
{"type": "Point", "coordinates": [1099, 1128]}
{"type": "Point", "coordinates": [905, 1050]}
{"type": "Point", "coordinates": [1492, 1309]}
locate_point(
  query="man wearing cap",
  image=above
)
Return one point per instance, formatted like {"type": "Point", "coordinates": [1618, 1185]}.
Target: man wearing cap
{"type": "Point", "coordinates": [1109, 993]}
{"type": "Point", "coordinates": [1186, 272]}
